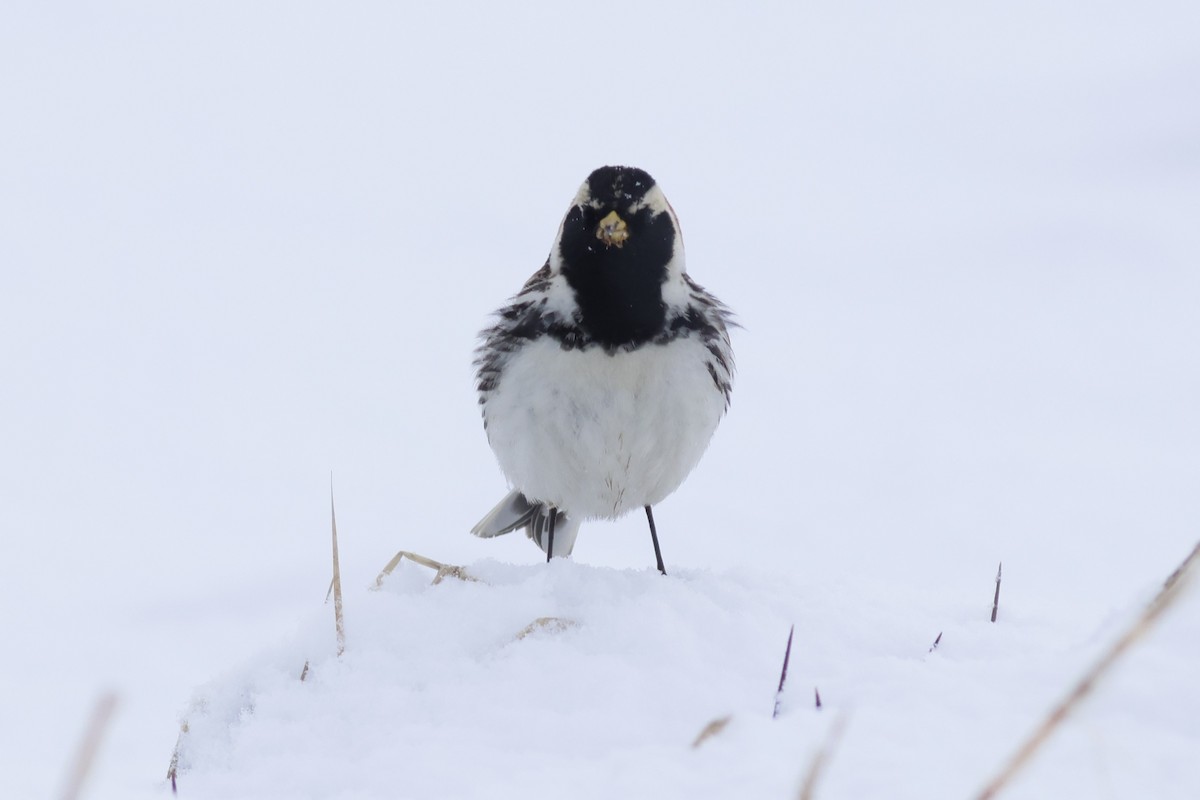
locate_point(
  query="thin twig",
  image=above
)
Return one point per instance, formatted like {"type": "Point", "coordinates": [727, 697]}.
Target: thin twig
{"type": "Point", "coordinates": [1166, 596]}
{"type": "Point", "coordinates": [787, 654]}
{"type": "Point", "coordinates": [821, 757]}
{"type": "Point", "coordinates": [337, 579]}
{"type": "Point", "coordinates": [86, 754]}
{"type": "Point", "coordinates": [937, 641]}
{"type": "Point", "coordinates": [173, 770]}
{"type": "Point", "coordinates": [996, 597]}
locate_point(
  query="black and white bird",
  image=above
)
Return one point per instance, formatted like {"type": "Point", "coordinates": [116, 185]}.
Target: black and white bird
{"type": "Point", "coordinates": [603, 380]}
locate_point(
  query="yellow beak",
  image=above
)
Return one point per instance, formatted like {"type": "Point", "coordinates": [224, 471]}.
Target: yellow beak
{"type": "Point", "coordinates": [612, 230]}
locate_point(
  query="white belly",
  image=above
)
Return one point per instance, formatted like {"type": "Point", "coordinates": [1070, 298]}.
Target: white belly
{"type": "Point", "coordinates": [598, 435]}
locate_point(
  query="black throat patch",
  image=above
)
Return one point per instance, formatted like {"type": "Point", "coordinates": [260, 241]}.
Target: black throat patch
{"type": "Point", "coordinates": [618, 288]}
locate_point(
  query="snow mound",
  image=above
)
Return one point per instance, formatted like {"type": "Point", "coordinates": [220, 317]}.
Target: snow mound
{"type": "Point", "coordinates": [456, 690]}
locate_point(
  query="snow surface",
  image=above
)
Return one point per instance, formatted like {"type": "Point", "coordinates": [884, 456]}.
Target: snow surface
{"type": "Point", "coordinates": [245, 245]}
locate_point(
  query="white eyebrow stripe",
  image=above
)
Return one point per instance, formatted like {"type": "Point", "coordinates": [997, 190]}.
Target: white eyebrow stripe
{"type": "Point", "coordinates": [653, 199]}
{"type": "Point", "coordinates": [584, 196]}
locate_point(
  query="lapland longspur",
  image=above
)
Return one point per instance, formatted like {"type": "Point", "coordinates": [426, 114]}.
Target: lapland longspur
{"type": "Point", "coordinates": [603, 380]}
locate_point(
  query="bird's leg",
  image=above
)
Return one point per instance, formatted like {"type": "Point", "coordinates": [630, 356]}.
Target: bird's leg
{"type": "Point", "coordinates": [654, 538]}
{"type": "Point", "coordinates": [550, 538]}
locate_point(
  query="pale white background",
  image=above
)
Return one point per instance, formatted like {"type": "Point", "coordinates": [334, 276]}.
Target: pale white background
{"type": "Point", "coordinates": [245, 245]}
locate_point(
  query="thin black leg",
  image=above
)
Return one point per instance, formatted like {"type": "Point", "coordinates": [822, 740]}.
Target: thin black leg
{"type": "Point", "coordinates": [654, 538]}
{"type": "Point", "coordinates": [550, 538]}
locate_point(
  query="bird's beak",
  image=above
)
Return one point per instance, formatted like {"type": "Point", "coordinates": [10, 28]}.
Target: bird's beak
{"type": "Point", "coordinates": [612, 230]}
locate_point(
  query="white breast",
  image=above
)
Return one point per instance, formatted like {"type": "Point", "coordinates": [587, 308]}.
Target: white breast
{"type": "Point", "coordinates": [598, 435]}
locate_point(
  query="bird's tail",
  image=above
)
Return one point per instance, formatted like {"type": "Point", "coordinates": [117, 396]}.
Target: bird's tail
{"type": "Point", "coordinates": [517, 511]}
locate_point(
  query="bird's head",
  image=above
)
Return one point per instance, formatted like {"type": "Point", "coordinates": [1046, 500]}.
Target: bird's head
{"type": "Point", "coordinates": [619, 218]}
{"type": "Point", "coordinates": [621, 255]}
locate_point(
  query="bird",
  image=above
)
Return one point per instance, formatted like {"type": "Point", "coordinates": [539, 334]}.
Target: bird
{"type": "Point", "coordinates": [603, 380]}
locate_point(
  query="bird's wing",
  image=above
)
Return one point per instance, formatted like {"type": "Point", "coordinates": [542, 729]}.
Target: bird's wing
{"type": "Point", "coordinates": [517, 323]}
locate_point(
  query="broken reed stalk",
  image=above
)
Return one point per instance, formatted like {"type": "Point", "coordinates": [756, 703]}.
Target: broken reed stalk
{"type": "Point", "coordinates": [549, 624]}
{"type": "Point", "coordinates": [711, 729]}
{"type": "Point", "coordinates": [339, 622]}
{"type": "Point", "coordinates": [86, 754]}
{"type": "Point", "coordinates": [787, 654]}
{"type": "Point", "coordinates": [821, 758]}
{"type": "Point", "coordinates": [1161, 602]}
{"type": "Point", "coordinates": [996, 597]}
{"type": "Point", "coordinates": [443, 570]}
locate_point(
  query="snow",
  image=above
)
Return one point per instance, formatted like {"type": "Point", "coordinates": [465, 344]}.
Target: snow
{"type": "Point", "coordinates": [245, 246]}
{"type": "Point", "coordinates": [440, 695]}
